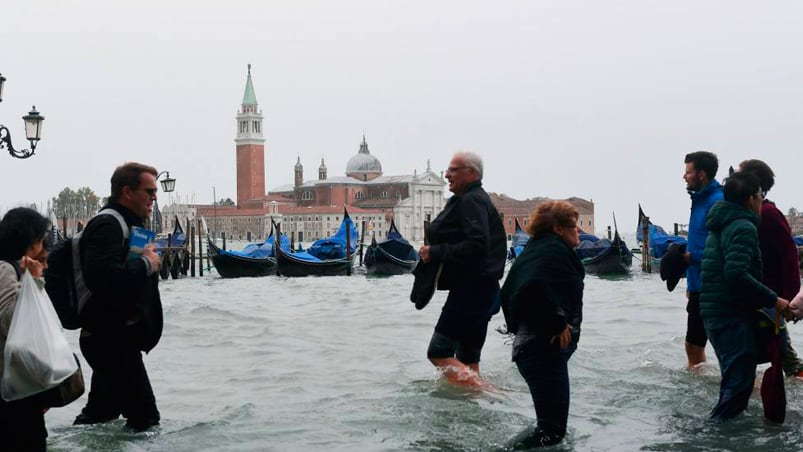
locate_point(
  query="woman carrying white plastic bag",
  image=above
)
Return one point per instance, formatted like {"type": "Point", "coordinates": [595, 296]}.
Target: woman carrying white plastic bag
{"type": "Point", "coordinates": [22, 237]}
{"type": "Point", "coordinates": [37, 356]}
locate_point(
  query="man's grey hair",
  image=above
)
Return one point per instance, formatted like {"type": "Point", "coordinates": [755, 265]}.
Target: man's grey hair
{"type": "Point", "coordinates": [472, 161]}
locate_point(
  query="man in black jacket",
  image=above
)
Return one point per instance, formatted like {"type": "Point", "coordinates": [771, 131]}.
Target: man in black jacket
{"type": "Point", "coordinates": [468, 239]}
{"type": "Point", "coordinates": [123, 317]}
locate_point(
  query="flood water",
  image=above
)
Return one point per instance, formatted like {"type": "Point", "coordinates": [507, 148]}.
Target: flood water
{"type": "Point", "coordinates": [339, 364]}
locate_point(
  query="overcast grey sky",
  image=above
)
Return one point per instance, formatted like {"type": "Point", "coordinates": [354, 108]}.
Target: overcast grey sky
{"type": "Point", "coordinates": [596, 99]}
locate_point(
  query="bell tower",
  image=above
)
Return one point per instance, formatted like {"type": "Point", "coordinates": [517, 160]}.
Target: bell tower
{"type": "Point", "coordinates": [250, 149]}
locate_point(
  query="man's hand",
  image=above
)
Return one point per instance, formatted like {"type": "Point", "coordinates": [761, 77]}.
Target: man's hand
{"type": "Point", "coordinates": [563, 338]}
{"type": "Point", "coordinates": [150, 254]}
{"type": "Point", "coordinates": [782, 306]}
{"type": "Point", "coordinates": [423, 253]}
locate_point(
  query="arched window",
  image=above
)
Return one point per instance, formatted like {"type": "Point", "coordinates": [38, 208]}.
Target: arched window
{"type": "Point", "coordinates": [358, 195]}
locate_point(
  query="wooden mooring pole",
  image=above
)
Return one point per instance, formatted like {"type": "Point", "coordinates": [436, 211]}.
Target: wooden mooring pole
{"type": "Point", "coordinates": [200, 251]}
{"type": "Point", "coordinates": [362, 240]}
{"type": "Point", "coordinates": [192, 249]}
{"type": "Point", "coordinates": [646, 261]}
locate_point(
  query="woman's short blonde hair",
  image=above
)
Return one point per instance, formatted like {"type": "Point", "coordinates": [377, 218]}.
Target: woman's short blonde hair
{"type": "Point", "coordinates": [550, 214]}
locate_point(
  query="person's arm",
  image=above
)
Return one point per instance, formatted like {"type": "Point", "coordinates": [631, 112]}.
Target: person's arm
{"type": "Point", "coordinates": [796, 305]}
{"type": "Point", "coordinates": [9, 288]}
{"type": "Point", "coordinates": [778, 252]}
{"type": "Point", "coordinates": [475, 228]}
{"type": "Point", "coordinates": [541, 306]}
{"type": "Point", "coordinates": [105, 270]}
{"type": "Point", "coordinates": [738, 252]}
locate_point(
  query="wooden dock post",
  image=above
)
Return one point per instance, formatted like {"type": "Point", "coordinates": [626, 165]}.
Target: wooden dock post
{"type": "Point", "coordinates": [192, 249]}
{"type": "Point", "coordinates": [646, 261]}
{"type": "Point", "coordinates": [362, 240]}
{"type": "Point", "coordinates": [348, 249]}
{"type": "Point", "coordinates": [200, 251]}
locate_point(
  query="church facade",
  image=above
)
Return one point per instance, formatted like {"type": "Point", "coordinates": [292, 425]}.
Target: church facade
{"type": "Point", "coordinates": [310, 209]}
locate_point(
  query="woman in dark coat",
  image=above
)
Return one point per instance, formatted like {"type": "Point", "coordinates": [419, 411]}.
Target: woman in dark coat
{"type": "Point", "coordinates": [542, 299]}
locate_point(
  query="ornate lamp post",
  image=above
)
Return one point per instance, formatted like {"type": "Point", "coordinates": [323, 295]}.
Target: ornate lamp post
{"type": "Point", "coordinates": [33, 130]}
{"type": "Point", "coordinates": [168, 185]}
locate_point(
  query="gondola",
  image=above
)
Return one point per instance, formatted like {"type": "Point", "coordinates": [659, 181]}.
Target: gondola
{"type": "Point", "coordinates": [392, 256]}
{"type": "Point", "coordinates": [255, 259]}
{"type": "Point", "coordinates": [517, 242]}
{"type": "Point", "coordinates": [609, 257]}
{"type": "Point", "coordinates": [659, 239]}
{"type": "Point", "coordinates": [332, 256]}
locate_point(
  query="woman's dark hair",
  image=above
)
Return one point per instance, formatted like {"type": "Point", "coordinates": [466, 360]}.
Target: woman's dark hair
{"type": "Point", "coordinates": [760, 169]}
{"type": "Point", "coordinates": [20, 228]}
{"type": "Point", "coordinates": [739, 187]}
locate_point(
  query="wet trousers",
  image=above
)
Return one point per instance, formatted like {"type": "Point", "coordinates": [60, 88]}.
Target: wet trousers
{"type": "Point", "coordinates": [22, 426]}
{"type": "Point", "coordinates": [734, 343]}
{"type": "Point", "coordinates": [545, 369]}
{"type": "Point", "coordinates": [120, 383]}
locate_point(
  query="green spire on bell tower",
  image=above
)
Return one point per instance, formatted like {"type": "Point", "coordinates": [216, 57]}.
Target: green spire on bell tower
{"type": "Point", "coordinates": [249, 98]}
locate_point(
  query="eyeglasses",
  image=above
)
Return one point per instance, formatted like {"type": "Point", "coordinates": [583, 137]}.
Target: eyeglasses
{"type": "Point", "coordinates": [150, 191]}
{"type": "Point", "coordinates": [454, 169]}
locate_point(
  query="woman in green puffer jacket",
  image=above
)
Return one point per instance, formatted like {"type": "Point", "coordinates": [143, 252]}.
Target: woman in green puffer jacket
{"type": "Point", "coordinates": [732, 290]}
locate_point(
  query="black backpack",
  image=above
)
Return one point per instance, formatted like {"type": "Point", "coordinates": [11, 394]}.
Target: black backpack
{"type": "Point", "coordinates": [64, 277]}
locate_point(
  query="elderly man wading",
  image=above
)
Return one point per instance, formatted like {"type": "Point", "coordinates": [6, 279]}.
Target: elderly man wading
{"type": "Point", "coordinates": [468, 238]}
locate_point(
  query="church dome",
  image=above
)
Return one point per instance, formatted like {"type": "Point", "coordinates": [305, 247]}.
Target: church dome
{"type": "Point", "coordinates": [363, 165]}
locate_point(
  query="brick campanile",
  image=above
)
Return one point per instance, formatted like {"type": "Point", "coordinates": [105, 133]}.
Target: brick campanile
{"type": "Point", "coordinates": [250, 148]}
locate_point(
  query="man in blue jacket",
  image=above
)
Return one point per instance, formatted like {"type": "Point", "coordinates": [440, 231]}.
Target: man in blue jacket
{"type": "Point", "coordinates": [701, 168]}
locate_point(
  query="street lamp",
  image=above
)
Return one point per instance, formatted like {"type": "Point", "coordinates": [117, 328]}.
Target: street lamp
{"type": "Point", "coordinates": [168, 183]}
{"type": "Point", "coordinates": [33, 130]}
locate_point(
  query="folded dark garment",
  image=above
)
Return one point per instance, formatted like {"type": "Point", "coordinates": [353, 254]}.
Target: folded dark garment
{"type": "Point", "coordinates": [773, 392]}
{"type": "Point", "coordinates": [673, 265]}
{"type": "Point", "coordinates": [426, 280]}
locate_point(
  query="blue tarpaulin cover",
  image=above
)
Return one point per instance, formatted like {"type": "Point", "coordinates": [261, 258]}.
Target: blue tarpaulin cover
{"type": "Point", "coordinates": [659, 238]}
{"type": "Point", "coordinates": [333, 247]}
{"type": "Point", "coordinates": [260, 250]}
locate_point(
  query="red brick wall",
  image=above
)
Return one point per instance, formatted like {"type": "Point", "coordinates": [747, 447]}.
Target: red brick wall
{"type": "Point", "coordinates": [250, 172]}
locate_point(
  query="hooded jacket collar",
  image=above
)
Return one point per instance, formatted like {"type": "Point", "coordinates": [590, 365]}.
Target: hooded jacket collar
{"type": "Point", "coordinates": [725, 212]}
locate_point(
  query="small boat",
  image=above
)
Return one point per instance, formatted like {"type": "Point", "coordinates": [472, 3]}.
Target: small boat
{"type": "Point", "coordinates": [392, 256]}
{"type": "Point", "coordinates": [604, 256]}
{"type": "Point", "coordinates": [255, 259]}
{"type": "Point", "coordinates": [659, 239]}
{"type": "Point", "coordinates": [331, 256]}
{"type": "Point", "coordinates": [517, 242]}
{"type": "Point", "coordinates": [172, 250]}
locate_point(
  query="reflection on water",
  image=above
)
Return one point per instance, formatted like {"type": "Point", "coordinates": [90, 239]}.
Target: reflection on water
{"type": "Point", "coordinates": [338, 364]}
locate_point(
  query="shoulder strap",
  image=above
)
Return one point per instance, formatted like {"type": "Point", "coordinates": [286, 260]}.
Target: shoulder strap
{"type": "Point", "coordinates": [119, 218]}
{"type": "Point", "coordinates": [82, 290]}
